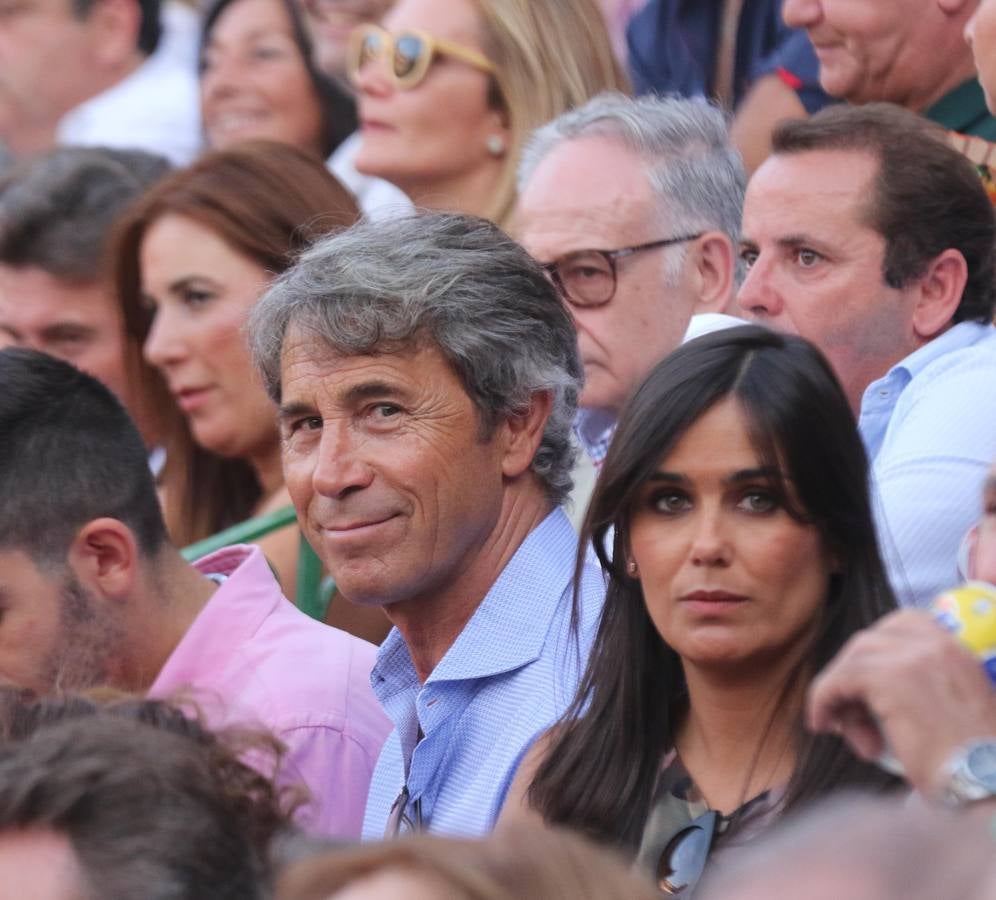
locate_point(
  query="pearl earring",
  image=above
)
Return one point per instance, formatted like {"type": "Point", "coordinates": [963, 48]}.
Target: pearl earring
{"type": "Point", "coordinates": [631, 568]}
{"type": "Point", "coordinates": [495, 144]}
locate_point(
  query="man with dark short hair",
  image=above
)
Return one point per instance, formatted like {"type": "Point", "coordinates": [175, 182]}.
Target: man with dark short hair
{"type": "Point", "coordinates": [103, 807]}
{"type": "Point", "coordinates": [56, 215]}
{"type": "Point", "coordinates": [93, 594]}
{"type": "Point", "coordinates": [886, 265]}
{"type": "Point", "coordinates": [427, 375]}
{"type": "Point", "coordinates": [85, 72]}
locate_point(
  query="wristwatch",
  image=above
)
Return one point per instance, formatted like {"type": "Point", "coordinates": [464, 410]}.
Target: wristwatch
{"type": "Point", "coordinates": [970, 774]}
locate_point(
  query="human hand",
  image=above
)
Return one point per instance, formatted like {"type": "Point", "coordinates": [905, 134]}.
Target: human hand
{"type": "Point", "coordinates": [908, 686]}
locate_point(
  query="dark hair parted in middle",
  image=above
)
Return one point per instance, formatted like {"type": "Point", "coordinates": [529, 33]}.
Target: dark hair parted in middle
{"type": "Point", "coordinates": [927, 196]}
{"type": "Point", "coordinates": [605, 756]}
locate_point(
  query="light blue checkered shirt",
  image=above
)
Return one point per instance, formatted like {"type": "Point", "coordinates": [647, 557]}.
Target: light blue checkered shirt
{"type": "Point", "coordinates": [929, 426]}
{"type": "Point", "coordinates": [508, 676]}
{"type": "Point", "coordinates": [595, 429]}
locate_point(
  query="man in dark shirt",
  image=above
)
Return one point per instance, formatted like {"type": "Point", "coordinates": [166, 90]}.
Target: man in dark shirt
{"type": "Point", "coordinates": [741, 54]}
{"type": "Point", "coordinates": [908, 52]}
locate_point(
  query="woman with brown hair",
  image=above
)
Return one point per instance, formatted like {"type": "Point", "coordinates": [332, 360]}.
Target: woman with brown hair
{"type": "Point", "coordinates": [258, 80]}
{"type": "Point", "coordinates": [148, 801]}
{"type": "Point", "coordinates": [192, 257]}
{"type": "Point", "coordinates": [449, 90]}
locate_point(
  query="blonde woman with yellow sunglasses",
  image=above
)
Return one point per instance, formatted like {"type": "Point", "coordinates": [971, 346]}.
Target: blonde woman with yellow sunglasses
{"type": "Point", "coordinates": [448, 90]}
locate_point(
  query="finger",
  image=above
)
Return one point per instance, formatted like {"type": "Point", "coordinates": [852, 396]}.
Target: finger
{"type": "Point", "coordinates": [861, 731]}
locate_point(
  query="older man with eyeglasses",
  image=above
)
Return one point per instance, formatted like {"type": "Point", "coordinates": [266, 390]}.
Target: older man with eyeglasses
{"type": "Point", "coordinates": [633, 208]}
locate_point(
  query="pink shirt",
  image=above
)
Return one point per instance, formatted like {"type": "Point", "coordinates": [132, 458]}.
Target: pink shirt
{"type": "Point", "coordinates": [252, 658]}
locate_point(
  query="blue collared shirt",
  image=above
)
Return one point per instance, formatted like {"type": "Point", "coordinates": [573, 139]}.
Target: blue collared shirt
{"type": "Point", "coordinates": [595, 429]}
{"type": "Point", "coordinates": [929, 426]}
{"type": "Point", "coordinates": [506, 679]}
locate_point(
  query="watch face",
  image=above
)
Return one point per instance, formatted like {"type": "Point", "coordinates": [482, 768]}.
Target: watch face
{"type": "Point", "coordinates": [982, 764]}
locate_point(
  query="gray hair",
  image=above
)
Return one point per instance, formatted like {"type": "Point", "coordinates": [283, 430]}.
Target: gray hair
{"type": "Point", "coordinates": [697, 174]}
{"type": "Point", "coordinates": [57, 210]}
{"type": "Point", "coordinates": [455, 280]}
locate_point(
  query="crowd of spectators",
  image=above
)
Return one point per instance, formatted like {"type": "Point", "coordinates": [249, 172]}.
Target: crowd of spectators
{"type": "Point", "coordinates": [497, 449]}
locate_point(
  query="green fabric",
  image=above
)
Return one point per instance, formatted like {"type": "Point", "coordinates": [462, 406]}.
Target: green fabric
{"type": "Point", "coordinates": [964, 110]}
{"type": "Point", "coordinates": [310, 596]}
{"type": "Point", "coordinates": [244, 533]}
{"type": "Point", "coordinates": [313, 592]}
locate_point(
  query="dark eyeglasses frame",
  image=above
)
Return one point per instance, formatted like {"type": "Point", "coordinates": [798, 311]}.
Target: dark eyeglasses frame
{"type": "Point", "coordinates": [610, 256]}
{"type": "Point", "coordinates": [398, 819]}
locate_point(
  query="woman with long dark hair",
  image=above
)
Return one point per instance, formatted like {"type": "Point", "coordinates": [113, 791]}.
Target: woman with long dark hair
{"type": "Point", "coordinates": [733, 520]}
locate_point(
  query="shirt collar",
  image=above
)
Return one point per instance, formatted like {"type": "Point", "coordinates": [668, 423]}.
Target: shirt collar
{"type": "Point", "coordinates": [521, 603]}
{"type": "Point", "coordinates": [961, 108]}
{"type": "Point", "coordinates": [964, 334]}
{"type": "Point", "coordinates": [107, 99]}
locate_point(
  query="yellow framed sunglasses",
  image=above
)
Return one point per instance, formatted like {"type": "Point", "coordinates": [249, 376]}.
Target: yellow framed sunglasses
{"type": "Point", "coordinates": [408, 54]}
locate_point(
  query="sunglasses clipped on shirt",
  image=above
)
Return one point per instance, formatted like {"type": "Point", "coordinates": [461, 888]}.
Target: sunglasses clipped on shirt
{"type": "Point", "coordinates": [398, 820]}
{"type": "Point", "coordinates": [408, 54]}
{"type": "Point", "coordinates": [683, 860]}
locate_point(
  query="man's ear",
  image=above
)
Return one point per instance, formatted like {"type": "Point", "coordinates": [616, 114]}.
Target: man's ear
{"type": "Point", "coordinates": [523, 434]}
{"type": "Point", "coordinates": [939, 293]}
{"type": "Point", "coordinates": [114, 26]}
{"type": "Point", "coordinates": [714, 263]}
{"type": "Point", "coordinates": [104, 557]}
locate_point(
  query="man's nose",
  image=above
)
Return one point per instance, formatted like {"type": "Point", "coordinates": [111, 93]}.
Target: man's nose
{"type": "Point", "coordinates": [342, 468]}
{"type": "Point", "coordinates": [757, 295]}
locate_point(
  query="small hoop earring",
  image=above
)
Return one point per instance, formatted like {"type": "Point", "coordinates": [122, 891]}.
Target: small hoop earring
{"type": "Point", "coordinates": [631, 568]}
{"type": "Point", "coordinates": [495, 144]}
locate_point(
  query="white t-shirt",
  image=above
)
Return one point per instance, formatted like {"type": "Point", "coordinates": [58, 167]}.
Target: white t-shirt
{"type": "Point", "coordinates": [155, 108]}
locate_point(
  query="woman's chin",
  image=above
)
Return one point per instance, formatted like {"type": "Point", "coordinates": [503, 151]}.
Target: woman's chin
{"type": "Point", "coordinates": [377, 160]}
{"type": "Point", "coordinates": [220, 442]}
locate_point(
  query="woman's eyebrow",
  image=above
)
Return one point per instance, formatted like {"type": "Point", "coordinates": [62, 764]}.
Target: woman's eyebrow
{"type": "Point", "coordinates": [771, 473]}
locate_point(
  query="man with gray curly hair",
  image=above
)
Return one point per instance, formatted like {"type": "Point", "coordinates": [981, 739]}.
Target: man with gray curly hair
{"type": "Point", "coordinates": [427, 377]}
